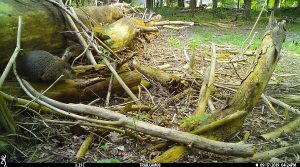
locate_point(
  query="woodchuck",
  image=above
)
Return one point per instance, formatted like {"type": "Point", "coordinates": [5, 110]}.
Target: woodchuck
{"type": "Point", "coordinates": [40, 65]}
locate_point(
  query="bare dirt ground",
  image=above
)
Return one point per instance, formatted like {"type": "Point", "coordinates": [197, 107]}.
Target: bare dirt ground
{"type": "Point", "coordinates": [59, 143]}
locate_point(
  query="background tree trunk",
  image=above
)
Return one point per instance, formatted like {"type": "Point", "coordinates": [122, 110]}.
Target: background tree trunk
{"type": "Point", "coordinates": [215, 4]}
{"type": "Point", "coordinates": [181, 3]}
{"type": "Point", "coordinates": [149, 4]}
{"type": "Point", "coordinates": [247, 12]}
{"type": "Point", "coordinates": [200, 3]}
{"type": "Point", "coordinates": [193, 4]}
{"type": "Point", "coordinates": [276, 4]}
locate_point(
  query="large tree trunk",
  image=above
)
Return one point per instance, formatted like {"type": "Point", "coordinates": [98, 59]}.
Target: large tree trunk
{"type": "Point", "coordinates": [181, 3]}
{"type": "Point", "coordinates": [149, 4]}
{"type": "Point", "coordinates": [121, 32]}
{"type": "Point", "coordinates": [49, 32]}
{"type": "Point", "coordinates": [98, 15]}
{"type": "Point", "coordinates": [193, 4]}
{"type": "Point", "coordinates": [247, 12]}
{"type": "Point", "coordinates": [161, 3]}
{"type": "Point", "coordinates": [276, 4]}
{"type": "Point", "coordinates": [215, 4]}
{"type": "Point", "coordinates": [200, 3]}
{"type": "Point", "coordinates": [72, 91]}
{"type": "Point", "coordinates": [42, 27]}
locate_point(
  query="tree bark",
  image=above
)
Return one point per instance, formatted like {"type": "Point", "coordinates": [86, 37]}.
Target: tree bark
{"type": "Point", "coordinates": [181, 3]}
{"type": "Point", "coordinates": [71, 91]}
{"type": "Point", "coordinates": [200, 3]}
{"type": "Point", "coordinates": [215, 4]}
{"type": "Point", "coordinates": [161, 4]}
{"type": "Point", "coordinates": [247, 12]}
{"type": "Point", "coordinates": [193, 4]}
{"type": "Point", "coordinates": [276, 4]}
{"type": "Point", "coordinates": [45, 33]}
{"type": "Point", "coordinates": [149, 4]}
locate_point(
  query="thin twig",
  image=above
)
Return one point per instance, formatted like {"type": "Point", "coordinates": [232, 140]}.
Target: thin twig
{"type": "Point", "coordinates": [284, 105]}
{"type": "Point", "coordinates": [262, 9]}
{"type": "Point", "coordinates": [269, 104]}
{"type": "Point", "coordinates": [81, 54]}
{"type": "Point", "coordinates": [74, 27]}
{"type": "Point", "coordinates": [109, 89]}
{"type": "Point", "coordinates": [250, 43]}
{"type": "Point", "coordinates": [30, 132]}
{"type": "Point", "coordinates": [107, 48]}
{"type": "Point", "coordinates": [151, 97]}
{"type": "Point", "coordinates": [85, 124]}
{"type": "Point", "coordinates": [15, 54]}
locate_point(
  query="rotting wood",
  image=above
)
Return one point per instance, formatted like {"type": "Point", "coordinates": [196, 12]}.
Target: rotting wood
{"type": "Point", "coordinates": [165, 79]}
{"type": "Point", "coordinates": [207, 85]}
{"type": "Point", "coordinates": [49, 38]}
{"type": "Point", "coordinates": [84, 147]}
{"type": "Point", "coordinates": [70, 90]}
{"type": "Point", "coordinates": [96, 48]}
{"type": "Point", "coordinates": [286, 129]}
{"type": "Point", "coordinates": [263, 156]}
{"type": "Point", "coordinates": [284, 105]}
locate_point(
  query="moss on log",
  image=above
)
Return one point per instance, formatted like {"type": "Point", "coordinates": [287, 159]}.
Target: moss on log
{"type": "Point", "coordinates": [121, 32]}
{"type": "Point", "coordinates": [44, 33]}
{"type": "Point", "coordinates": [99, 15]}
{"type": "Point", "coordinates": [70, 90]}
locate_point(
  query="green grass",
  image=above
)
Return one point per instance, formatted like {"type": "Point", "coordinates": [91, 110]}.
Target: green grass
{"type": "Point", "coordinates": [174, 41]}
{"type": "Point", "coordinates": [234, 36]}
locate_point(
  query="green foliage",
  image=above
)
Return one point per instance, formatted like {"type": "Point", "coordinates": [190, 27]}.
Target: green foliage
{"type": "Point", "coordinates": [101, 62]}
{"type": "Point", "coordinates": [174, 41]}
{"type": "Point", "coordinates": [109, 160]}
{"type": "Point", "coordinates": [5, 144]}
{"type": "Point", "coordinates": [191, 120]}
{"type": "Point", "coordinates": [106, 52]}
{"type": "Point", "coordinates": [182, 109]}
{"type": "Point", "coordinates": [135, 4]}
{"type": "Point", "coordinates": [194, 43]}
{"type": "Point", "coordinates": [104, 147]}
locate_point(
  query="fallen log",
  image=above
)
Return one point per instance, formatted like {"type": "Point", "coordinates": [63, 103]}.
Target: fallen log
{"type": "Point", "coordinates": [121, 32]}
{"type": "Point", "coordinates": [47, 30]}
{"type": "Point", "coordinates": [99, 15]}
{"type": "Point", "coordinates": [165, 79]}
{"type": "Point", "coordinates": [264, 156]}
{"type": "Point", "coordinates": [51, 31]}
{"type": "Point", "coordinates": [291, 99]}
{"type": "Point", "coordinates": [286, 129]}
{"type": "Point", "coordinates": [71, 90]}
